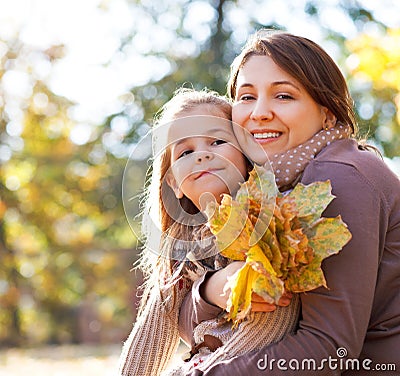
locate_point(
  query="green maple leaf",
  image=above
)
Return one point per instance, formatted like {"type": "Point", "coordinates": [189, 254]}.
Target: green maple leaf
{"type": "Point", "coordinates": [311, 200]}
{"type": "Point", "coordinates": [259, 187]}
{"type": "Point", "coordinates": [327, 236]}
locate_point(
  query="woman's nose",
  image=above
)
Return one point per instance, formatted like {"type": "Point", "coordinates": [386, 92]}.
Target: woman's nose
{"type": "Point", "coordinates": [261, 110]}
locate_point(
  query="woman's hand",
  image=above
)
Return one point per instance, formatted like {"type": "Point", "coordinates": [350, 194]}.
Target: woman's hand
{"type": "Point", "coordinates": [213, 291]}
{"type": "Point", "coordinates": [258, 304]}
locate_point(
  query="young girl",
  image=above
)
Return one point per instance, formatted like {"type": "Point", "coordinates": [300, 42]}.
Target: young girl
{"type": "Point", "coordinates": [196, 159]}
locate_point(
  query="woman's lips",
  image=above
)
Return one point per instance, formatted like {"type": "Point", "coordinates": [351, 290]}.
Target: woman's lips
{"type": "Point", "coordinates": [263, 137]}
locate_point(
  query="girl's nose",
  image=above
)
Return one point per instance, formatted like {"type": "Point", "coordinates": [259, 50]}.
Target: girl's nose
{"type": "Point", "coordinates": [203, 156]}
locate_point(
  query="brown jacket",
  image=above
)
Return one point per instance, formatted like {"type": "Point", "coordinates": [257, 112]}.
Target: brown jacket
{"type": "Point", "coordinates": [359, 315]}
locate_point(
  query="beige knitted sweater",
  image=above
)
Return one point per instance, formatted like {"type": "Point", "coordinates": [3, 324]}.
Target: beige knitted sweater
{"type": "Point", "coordinates": [155, 338]}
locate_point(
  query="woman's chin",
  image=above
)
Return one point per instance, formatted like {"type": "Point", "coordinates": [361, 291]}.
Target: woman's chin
{"type": "Point", "coordinates": [272, 145]}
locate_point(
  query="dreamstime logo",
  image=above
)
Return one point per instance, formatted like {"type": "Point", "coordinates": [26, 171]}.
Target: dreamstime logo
{"type": "Point", "coordinates": [341, 352]}
{"type": "Point", "coordinates": [331, 363]}
{"type": "Point", "coordinates": [163, 199]}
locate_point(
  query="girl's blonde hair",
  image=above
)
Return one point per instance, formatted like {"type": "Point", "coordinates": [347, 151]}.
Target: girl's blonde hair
{"type": "Point", "coordinates": [161, 230]}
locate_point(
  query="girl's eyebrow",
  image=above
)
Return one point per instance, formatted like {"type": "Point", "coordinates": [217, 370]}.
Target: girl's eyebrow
{"type": "Point", "coordinates": [209, 133]}
{"type": "Point", "coordinates": [220, 130]}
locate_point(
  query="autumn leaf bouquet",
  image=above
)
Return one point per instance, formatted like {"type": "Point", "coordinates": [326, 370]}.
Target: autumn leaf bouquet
{"type": "Point", "coordinates": [281, 237]}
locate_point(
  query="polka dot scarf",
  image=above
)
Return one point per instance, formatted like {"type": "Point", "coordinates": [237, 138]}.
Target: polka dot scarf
{"type": "Point", "coordinates": [289, 166]}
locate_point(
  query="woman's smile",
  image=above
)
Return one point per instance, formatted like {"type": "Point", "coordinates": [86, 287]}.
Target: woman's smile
{"type": "Point", "coordinates": [266, 136]}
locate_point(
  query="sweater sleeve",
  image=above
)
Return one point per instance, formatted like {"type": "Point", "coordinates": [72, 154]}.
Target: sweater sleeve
{"type": "Point", "coordinates": [194, 312]}
{"type": "Point", "coordinates": [154, 337]}
{"type": "Point", "coordinates": [332, 318]}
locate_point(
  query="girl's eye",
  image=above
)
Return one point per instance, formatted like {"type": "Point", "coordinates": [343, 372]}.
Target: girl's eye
{"type": "Point", "coordinates": [219, 142]}
{"type": "Point", "coordinates": [185, 153]}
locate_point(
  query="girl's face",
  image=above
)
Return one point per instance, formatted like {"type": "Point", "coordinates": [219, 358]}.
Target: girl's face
{"type": "Point", "coordinates": [275, 108]}
{"type": "Point", "coordinates": [205, 157]}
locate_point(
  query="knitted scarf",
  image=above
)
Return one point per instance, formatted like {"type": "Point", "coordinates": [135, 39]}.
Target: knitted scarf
{"type": "Point", "coordinates": [289, 166]}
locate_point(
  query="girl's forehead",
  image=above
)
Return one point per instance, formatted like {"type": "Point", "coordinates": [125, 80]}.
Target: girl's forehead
{"type": "Point", "coordinates": [205, 109]}
{"type": "Point", "coordinates": [199, 126]}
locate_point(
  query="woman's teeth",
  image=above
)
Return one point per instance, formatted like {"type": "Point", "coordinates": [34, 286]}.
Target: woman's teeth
{"type": "Point", "coordinates": [267, 135]}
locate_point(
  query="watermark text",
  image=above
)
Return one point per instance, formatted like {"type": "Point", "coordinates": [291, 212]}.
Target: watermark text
{"type": "Point", "coordinates": [332, 363]}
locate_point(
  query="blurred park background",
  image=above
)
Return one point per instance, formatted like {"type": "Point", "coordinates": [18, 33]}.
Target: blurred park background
{"type": "Point", "coordinates": [80, 82]}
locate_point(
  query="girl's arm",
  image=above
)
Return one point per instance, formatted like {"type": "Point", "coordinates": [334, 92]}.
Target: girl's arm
{"type": "Point", "coordinates": [209, 300]}
{"type": "Point", "coordinates": [154, 337]}
{"type": "Point", "coordinates": [189, 316]}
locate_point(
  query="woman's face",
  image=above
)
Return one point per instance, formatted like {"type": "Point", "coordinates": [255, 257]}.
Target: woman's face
{"type": "Point", "coordinates": [275, 108]}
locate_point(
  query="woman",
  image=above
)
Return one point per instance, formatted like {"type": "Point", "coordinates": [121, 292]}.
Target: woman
{"type": "Point", "coordinates": [290, 95]}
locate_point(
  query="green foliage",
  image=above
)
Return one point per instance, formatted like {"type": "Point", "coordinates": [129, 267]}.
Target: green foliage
{"type": "Point", "coordinates": [208, 65]}
{"type": "Point", "coordinates": [65, 245]}
{"type": "Point", "coordinates": [376, 66]}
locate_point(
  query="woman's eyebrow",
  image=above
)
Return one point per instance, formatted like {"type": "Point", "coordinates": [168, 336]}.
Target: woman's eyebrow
{"type": "Point", "coordinates": [276, 83]}
{"type": "Point", "coordinates": [284, 82]}
{"type": "Point", "coordinates": [245, 85]}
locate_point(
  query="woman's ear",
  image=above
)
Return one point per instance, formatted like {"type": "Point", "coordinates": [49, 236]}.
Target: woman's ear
{"type": "Point", "coordinates": [174, 186]}
{"type": "Point", "coordinates": [330, 119]}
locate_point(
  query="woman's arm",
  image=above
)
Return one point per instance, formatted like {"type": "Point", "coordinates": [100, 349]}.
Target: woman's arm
{"type": "Point", "coordinates": [336, 317]}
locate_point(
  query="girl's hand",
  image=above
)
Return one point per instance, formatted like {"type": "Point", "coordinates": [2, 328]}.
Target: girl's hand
{"type": "Point", "coordinates": [213, 291]}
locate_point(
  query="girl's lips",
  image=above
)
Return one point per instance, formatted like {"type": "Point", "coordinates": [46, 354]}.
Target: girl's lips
{"type": "Point", "coordinates": [202, 174]}
{"type": "Point", "coordinates": [205, 172]}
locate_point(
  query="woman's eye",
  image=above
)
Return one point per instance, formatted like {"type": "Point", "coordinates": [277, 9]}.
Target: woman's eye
{"type": "Point", "coordinates": [246, 97]}
{"type": "Point", "coordinates": [284, 96]}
